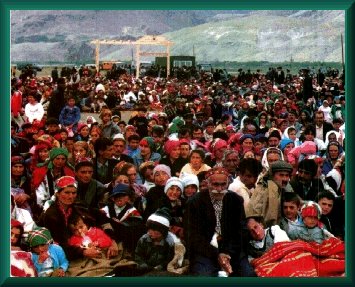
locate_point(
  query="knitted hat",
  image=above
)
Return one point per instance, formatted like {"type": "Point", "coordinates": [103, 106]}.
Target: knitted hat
{"type": "Point", "coordinates": [64, 182]}
{"type": "Point", "coordinates": [39, 236]}
{"type": "Point", "coordinates": [148, 141]}
{"type": "Point", "coordinates": [81, 126]}
{"type": "Point", "coordinates": [311, 209]}
{"type": "Point", "coordinates": [189, 179]}
{"type": "Point", "coordinates": [284, 143]}
{"type": "Point", "coordinates": [162, 167]}
{"type": "Point", "coordinates": [120, 189]}
{"type": "Point", "coordinates": [170, 145]}
{"type": "Point", "coordinates": [280, 165]}
{"type": "Point", "coordinates": [160, 221]}
{"type": "Point", "coordinates": [173, 181]}
{"type": "Point", "coordinates": [100, 87]}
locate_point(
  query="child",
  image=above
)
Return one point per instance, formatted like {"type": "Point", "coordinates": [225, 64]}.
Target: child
{"type": "Point", "coordinates": [191, 184]}
{"type": "Point", "coordinates": [173, 190]}
{"type": "Point", "coordinates": [86, 237]}
{"type": "Point", "coordinates": [311, 229]}
{"type": "Point", "coordinates": [290, 210]}
{"type": "Point", "coordinates": [70, 116]}
{"type": "Point", "coordinates": [146, 171]}
{"type": "Point", "coordinates": [155, 249]}
{"type": "Point", "coordinates": [48, 258]}
{"type": "Point", "coordinates": [16, 234]}
{"type": "Point", "coordinates": [124, 218]}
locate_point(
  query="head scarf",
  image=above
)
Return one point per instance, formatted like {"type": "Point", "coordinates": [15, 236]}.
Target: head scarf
{"type": "Point", "coordinates": [39, 236]}
{"type": "Point", "coordinates": [56, 152]}
{"type": "Point", "coordinates": [149, 141]}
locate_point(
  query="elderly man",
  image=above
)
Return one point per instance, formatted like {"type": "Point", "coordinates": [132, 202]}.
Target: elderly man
{"type": "Point", "coordinates": [213, 224]}
{"type": "Point", "coordinates": [265, 201]}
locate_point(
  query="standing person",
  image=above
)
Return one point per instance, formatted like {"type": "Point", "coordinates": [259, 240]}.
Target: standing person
{"type": "Point", "coordinates": [265, 201]}
{"type": "Point", "coordinates": [307, 86]}
{"type": "Point", "coordinates": [70, 115]}
{"type": "Point", "coordinates": [205, 219]}
{"type": "Point", "coordinates": [57, 101]}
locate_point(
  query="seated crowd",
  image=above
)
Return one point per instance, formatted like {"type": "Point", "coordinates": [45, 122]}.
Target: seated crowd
{"type": "Point", "coordinates": [206, 178]}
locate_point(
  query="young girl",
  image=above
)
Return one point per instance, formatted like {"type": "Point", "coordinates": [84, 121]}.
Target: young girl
{"type": "Point", "coordinates": [48, 258]}
{"type": "Point", "coordinates": [173, 190]}
{"type": "Point", "coordinates": [124, 218]}
{"type": "Point", "coordinates": [86, 237]}
{"type": "Point", "coordinates": [70, 116]}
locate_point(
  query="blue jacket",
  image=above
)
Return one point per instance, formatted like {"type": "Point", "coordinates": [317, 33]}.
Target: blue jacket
{"type": "Point", "coordinates": [69, 116]}
{"type": "Point", "coordinates": [57, 254]}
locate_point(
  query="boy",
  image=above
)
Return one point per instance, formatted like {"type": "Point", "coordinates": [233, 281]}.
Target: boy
{"type": "Point", "coordinates": [48, 258]}
{"type": "Point", "coordinates": [70, 115]}
{"type": "Point", "coordinates": [155, 249]}
{"type": "Point", "coordinates": [311, 229]}
{"type": "Point", "coordinates": [290, 210]}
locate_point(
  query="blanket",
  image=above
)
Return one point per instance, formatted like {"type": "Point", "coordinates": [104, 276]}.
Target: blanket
{"type": "Point", "coordinates": [22, 265]}
{"type": "Point", "coordinates": [97, 267]}
{"type": "Point", "coordinates": [302, 259]}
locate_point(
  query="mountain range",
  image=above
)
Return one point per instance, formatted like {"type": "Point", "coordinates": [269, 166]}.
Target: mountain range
{"type": "Point", "coordinates": [59, 36]}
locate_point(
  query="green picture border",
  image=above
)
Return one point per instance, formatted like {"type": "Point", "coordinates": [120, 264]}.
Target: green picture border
{"type": "Point", "coordinates": [7, 6]}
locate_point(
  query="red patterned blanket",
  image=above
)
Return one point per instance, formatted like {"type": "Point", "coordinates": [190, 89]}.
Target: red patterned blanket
{"type": "Point", "coordinates": [302, 259]}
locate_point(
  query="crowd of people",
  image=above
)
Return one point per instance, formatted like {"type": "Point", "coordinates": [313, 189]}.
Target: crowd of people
{"type": "Point", "coordinates": [212, 175]}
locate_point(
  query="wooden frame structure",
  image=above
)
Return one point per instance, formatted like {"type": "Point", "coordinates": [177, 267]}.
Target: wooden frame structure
{"type": "Point", "coordinates": [145, 40]}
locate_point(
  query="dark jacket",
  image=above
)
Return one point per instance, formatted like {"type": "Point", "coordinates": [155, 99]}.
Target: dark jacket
{"type": "Point", "coordinates": [199, 226]}
{"type": "Point", "coordinates": [315, 187]}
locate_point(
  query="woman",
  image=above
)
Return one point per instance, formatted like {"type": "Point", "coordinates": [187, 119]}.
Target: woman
{"type": "Point", "coordinates": [56, 219]}
{"type": "Point", "coordinates": [333, 153]}
{"type": "Point", "coordinates": [156, 197]}
{"type": "Point", "coordinates": [263, 123]}
{"type": "Point", "coordinates": [246, 143]}
{"type": "Point", "coordinates": [95, 133]}
{"type": "Point", "coordinates": [20, 183]}
{"type": "Point", "coordinates": [217, 148]}
{"type": "Point", "coordinates": [130, 171]}
{"type": "Point", "coordinates": [44, 177]}
{"type": "Point", "coordinates": [147, 153]}
{"type": "Point", "coordinates": [196, 163]}
{"type": "Point", "coordinates": [172, 157]}
{"type": "Point", "coordinates": [40, 155]}
{"type": "Point", "coordinates": [83, 132]}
